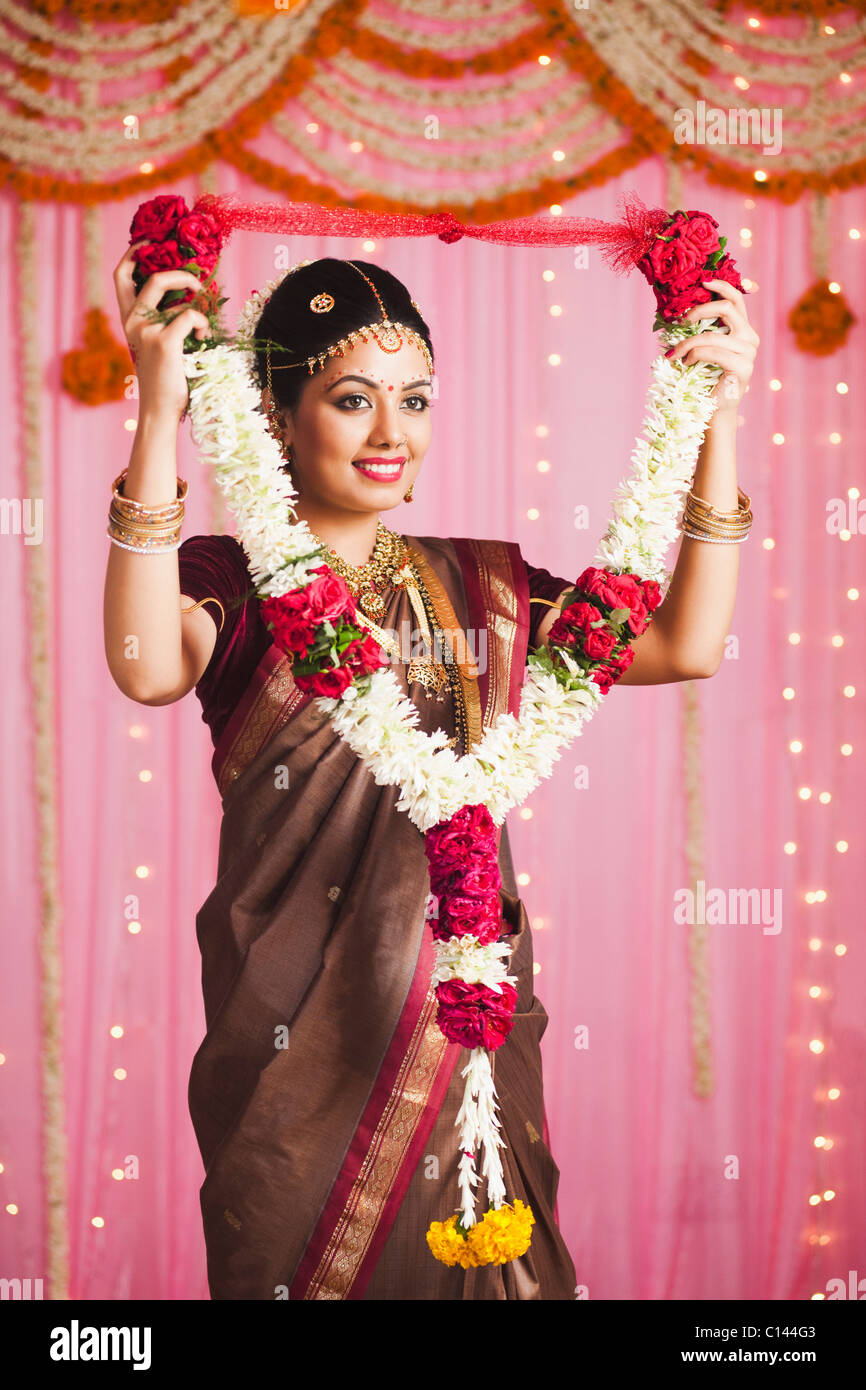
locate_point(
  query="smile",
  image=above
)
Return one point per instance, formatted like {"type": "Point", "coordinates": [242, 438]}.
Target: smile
{"type": "Point", "coordinates": [380, 472]}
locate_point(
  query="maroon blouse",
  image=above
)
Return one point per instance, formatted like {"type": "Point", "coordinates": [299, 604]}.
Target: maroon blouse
{"type": "Point", "coordinates": [217, 566]}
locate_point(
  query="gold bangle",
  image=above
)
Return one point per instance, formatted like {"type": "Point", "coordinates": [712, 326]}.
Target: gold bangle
{"type": "Point", "coordinates": [145, 528]}
{"type": "Point", "coordinates": [147, 508]}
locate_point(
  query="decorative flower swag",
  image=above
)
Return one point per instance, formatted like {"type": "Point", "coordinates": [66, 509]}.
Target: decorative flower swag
{"type": "Point", "coordinates": [457, 802]}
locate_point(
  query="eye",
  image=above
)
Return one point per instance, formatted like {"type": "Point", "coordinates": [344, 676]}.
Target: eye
{"type": "Point", "coordinates": [359, 396]}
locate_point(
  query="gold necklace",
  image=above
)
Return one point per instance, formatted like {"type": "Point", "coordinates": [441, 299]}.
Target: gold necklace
{"type": "Point", "coordinates": [367, 583]}
{"type": "Point", "coordinates": [390, 566]}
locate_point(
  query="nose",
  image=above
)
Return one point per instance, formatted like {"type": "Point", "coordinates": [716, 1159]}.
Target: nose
{"type": "Point", "coordinates": [390, 429]}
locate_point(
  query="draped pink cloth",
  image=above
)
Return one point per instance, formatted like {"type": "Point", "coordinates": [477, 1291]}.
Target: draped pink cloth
{"type": "Point", "coordinates": [664, 1194]}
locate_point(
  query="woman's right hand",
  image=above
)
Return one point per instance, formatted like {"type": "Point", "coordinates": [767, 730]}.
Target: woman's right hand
{"type": "Point", "coordinates": [157, 348]}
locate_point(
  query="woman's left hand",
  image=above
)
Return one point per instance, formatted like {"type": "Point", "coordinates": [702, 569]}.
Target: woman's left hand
{"type": "Point", "coordinates": [734, 351]}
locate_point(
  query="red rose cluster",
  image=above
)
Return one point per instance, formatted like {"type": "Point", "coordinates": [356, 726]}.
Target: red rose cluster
{"type": "Point", "coordinates": [590, 634]}
{"type": "Point", "coordinates": [323, 662]}
{"type": "Point", "coordinates": [462, 854]}
{"type": "Point", "coordinates": [685, 252]}
{"type": "Point", "coordinates": [177, 236]}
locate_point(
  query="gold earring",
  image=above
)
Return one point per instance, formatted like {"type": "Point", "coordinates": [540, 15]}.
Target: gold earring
{"type": "Point", "coordinates": [407, 496]}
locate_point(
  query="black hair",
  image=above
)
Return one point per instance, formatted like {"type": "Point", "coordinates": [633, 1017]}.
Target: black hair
{"type": "Point", "coordinates": [288, 320]}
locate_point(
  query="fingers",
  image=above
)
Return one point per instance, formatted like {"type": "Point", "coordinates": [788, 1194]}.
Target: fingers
{"type": "Point", "coordinates": [123, 284]}
{"type": "Point", "coordinates": [725, 357]}
{"type": "Point", "coordinates": [184, 323]}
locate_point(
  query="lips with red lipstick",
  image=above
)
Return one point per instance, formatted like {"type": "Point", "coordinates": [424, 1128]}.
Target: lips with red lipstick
{"type": "Point", "coordinates": [380, 470]}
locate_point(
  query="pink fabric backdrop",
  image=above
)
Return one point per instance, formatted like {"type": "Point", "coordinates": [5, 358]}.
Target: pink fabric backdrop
{"type": "Point", "coordinates": [645, 1203]}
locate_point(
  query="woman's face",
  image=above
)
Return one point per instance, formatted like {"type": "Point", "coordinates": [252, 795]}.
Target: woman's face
{"type": "Point", "coordinates": [341, 421]}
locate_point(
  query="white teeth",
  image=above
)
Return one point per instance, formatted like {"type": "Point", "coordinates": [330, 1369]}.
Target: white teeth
{"type": "Point", "coordinates": [388, 470]}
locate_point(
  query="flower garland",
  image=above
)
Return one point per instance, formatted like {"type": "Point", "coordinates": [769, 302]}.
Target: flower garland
{"type": "Point", "coordinates": [456, 802]}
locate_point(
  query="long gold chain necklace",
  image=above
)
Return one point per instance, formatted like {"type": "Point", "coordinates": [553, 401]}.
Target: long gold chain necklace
{"type": "Point", "coordinates": [391, 566]}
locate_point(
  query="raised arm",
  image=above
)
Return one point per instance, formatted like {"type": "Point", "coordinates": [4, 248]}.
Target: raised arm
{"type": "Point", "coordinates": [154, 653]}
{"type": "Point", "coordinates": [686, 639]}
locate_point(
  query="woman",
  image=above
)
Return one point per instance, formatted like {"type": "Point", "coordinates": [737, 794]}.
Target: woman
{"type": "Point", "coordinates": [324, 1096]}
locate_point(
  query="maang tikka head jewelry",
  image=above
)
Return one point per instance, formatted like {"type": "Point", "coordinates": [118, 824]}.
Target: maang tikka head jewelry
{"type": "Point", "coordinates": [386, 334]}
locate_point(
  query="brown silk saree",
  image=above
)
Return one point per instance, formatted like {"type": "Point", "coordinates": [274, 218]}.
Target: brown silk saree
{"type": "Point", "coordinates": [323, 1095]}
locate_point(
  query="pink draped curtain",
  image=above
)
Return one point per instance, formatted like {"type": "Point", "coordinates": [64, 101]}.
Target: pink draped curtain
{"type": "Point", "coordinates": [664, 1193]}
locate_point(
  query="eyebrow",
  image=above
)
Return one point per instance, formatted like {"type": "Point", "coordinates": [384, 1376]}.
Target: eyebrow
{"type": "Point", "coordinates": [368, 382]}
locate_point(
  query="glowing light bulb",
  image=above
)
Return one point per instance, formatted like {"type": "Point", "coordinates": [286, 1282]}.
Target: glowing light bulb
{"type": "Point", "coordinates": [816, 1046]}
{"type": "Point", "coordinates": [533, 513]}
{"type": "Point", "coordinates": [536, 967]}
{"type": "Point", "coordinates": [854, 233]}
{"type": "Point", "coordinates": [558, 155]}
{"type": "Point", "coordinates": [790, 847]}
{"type": "Point", "coordinates": [117, 1174]}
{"type": "Point", "coordinates": [548, 275]}
{"type": "Point", "coordinates": [539, 923]}
{"type": "Point", "coordinates": [555, 310]}
{"type": "Point", "coordinates": [760, 176]}
{"type": "Point", "coordinates": [526, 813]}
{"type": "Point", "coordinates": [788, 693]}
{"type": "Point", "coordinates": [837, 640]}
{"type": "Point", "coordinates": [840, 950]}
{"type": "Point", "coordinates": [795, 745]}
{"type": "Point", "coordinates": [356, 146]}
{"type": "Point", "coordinates": [794, 638]}
{"type": "Point", "coordinates": [829, 1195]}
{"type": "Point", "coordinates": [136, 731]}
{"type": "Point", "coordinates": [778, 438]}
{"type": "Point", "coordinates": [846, 750]}
{"type": "Point", "coordinates": [842, 388]}
{"type": "Point", "coordinates": [116, 1031]}
{"type": "Point", "coordinates": [815, 943]}
{"type": "Point", "coordinates": [815, 992]}
{"type": "Point", "coordinates": [97, 1221]}
{"type": "Point", "coordinates": [835, 437]}
{"type": "Point", "coordinates": [841, 846]}
{"type": "Point", "coordinates": [543, 465]}
{"type": "Point", "coordinates": [555, 210]}
{"type": "Point", "coordinates": [544, 59]}
{"type": "Point", "coordinates": [369, 246]}
{"type": "Point", "coordinates": [119, 1073]}
{"type": "Point", "coordinates": [554, 359]}
{"type": "Point", "coordinates": [775, 384]}
{"type": "Point", "coordinates": [853, 593]}
{"type": "Point", "coordinates": [834, 287]}
{"type": "Point", "coordinates": [768, 543]}
{"type": "Point", "coordinates": [312, 127]}
{"type": "Point", "coordinates": [145, 775]}
{"type": "Point", "coordinates": [849, 691]}
{"type": "Point", "coordinates": [523, 879]}
{"type": "Point", "coordinates": [824, 797]}
{"type": "Point", "coordinates": [542, 431]}
{"type": "Point", "coordinates": [834, 1093]}
{"type": "Point", "coordinates": [133, 928]}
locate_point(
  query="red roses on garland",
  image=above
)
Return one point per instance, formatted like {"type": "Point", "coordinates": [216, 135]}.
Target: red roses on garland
{"type": "Point", "coordinates": [315, 626]}
{"type": "Point", "coordinates": [463, 859]}
{"type": "Point", "coordinates": [686, 252]}
{"type": "Point", "coordinates": [179, 240]}
{"type": "Point", "coordinates": [608, 610]}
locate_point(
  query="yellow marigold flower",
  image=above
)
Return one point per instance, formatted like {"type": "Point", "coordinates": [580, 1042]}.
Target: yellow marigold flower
{"type": "Point", "coordinates": [501, 1235]}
